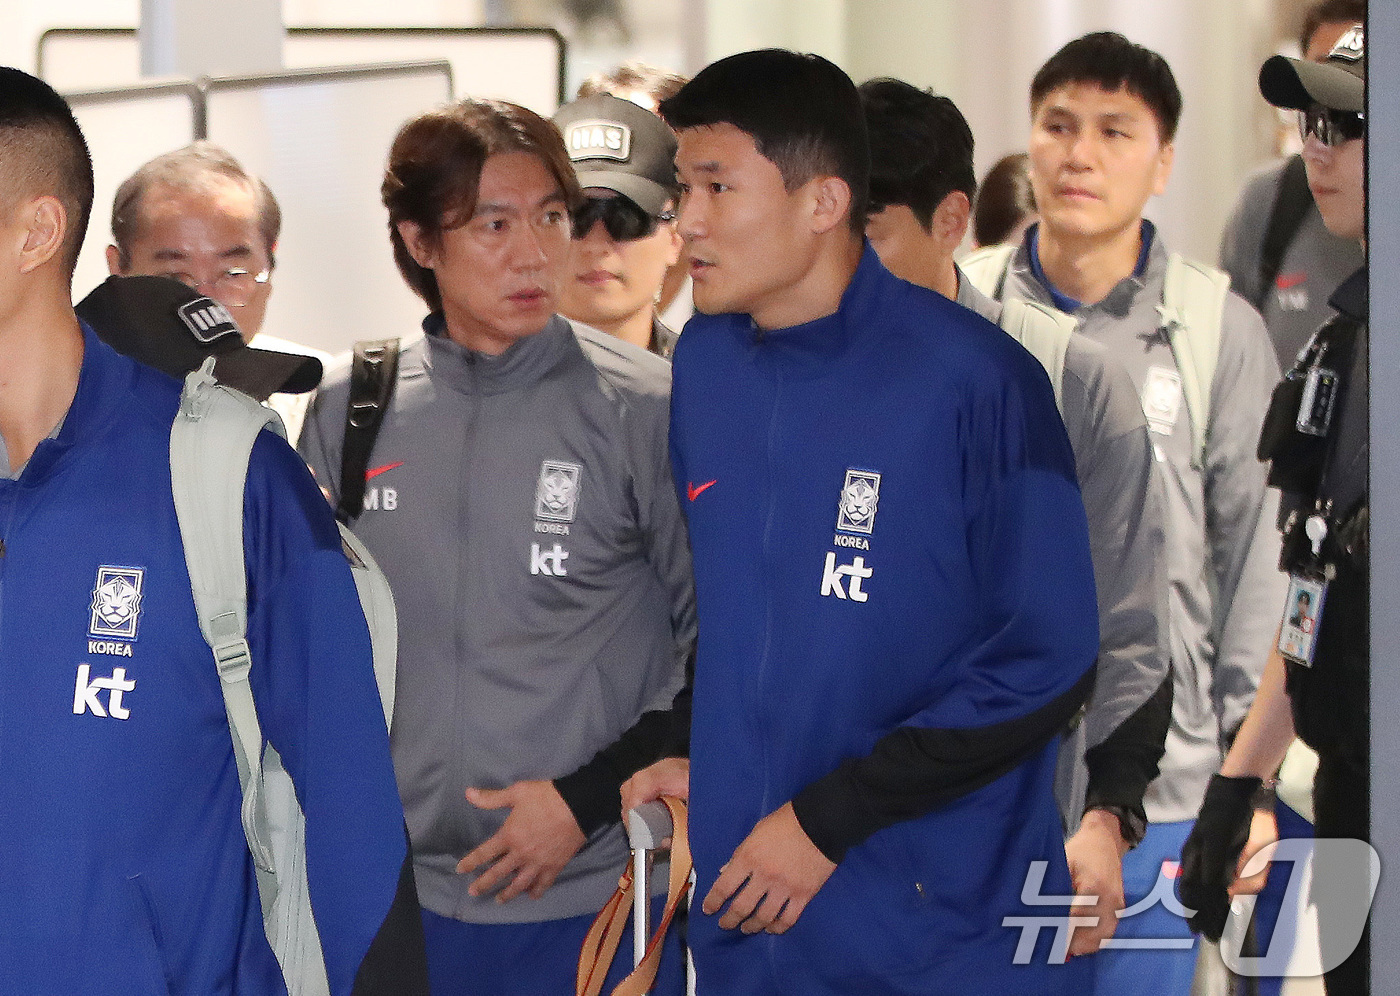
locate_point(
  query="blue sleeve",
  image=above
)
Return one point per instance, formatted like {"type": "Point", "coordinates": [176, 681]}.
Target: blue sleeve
{"type": "Point", "coordinates": [1029, 665]}
{"type": "Point", "coordinates": [314, 686]}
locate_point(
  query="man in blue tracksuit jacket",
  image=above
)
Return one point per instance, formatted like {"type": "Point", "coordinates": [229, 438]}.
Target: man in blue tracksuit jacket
{"type": "Point", "coordinates": [123, 865]}
{"type": "Point", "coordinates": [895, 594]}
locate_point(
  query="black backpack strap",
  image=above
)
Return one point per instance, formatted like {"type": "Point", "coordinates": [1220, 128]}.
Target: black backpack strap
{"type": "Point", "coordinates": [372, 374]}
{"type": "Point", "coordinates": [1291, 205]}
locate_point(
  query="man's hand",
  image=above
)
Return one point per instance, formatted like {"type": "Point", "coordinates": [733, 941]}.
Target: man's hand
{"type": "Point", "coordinates": [1095, 856]}
{"type": "Point", "coordinates": [669, 776]}
{"type": "Point", "coordinates": [533, 845]}
{"type": "Point", "coordinates": [771, 877]}
{"type": "Point", "coordinates": [1263, 832]}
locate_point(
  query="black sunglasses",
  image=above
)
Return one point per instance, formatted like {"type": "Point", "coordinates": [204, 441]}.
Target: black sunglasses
{"type": "Point", "coordinates": [1332, 128]}
{"type": "Point", "coordinates": [622, 218]}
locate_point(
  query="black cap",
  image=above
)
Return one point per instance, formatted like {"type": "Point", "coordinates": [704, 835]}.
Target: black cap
{"type": "Point", "coordinates": [1338, 83]}
{"type": "Point", "coordinates": [618, 145]}
{"type": "Point", "coordinates": [162, 323]}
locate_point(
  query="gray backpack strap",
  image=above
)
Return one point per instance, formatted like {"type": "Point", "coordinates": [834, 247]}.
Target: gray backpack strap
{"type": "Point", "coordinates": [1192, 310]}
{"type": "Point", "coordinates": [210, 443]}
{"type": "Point", "coordinates": [377, 603]}
{"type": "Point", "coordinates": [987, 268]}
{"type": "Point", "coordinates": [1045, 333]}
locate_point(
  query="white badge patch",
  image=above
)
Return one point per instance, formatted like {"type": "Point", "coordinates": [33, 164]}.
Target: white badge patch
{"type": "Point", "coordinates": [116, 602]}
{"type": "Point", "coordinates": [1161, 399]}
{"type": "Point", "coordinates": [598, 140]}
{"type": "Point", "coordinates": [207, 319]}
{"type": "Point", "coordinates": [556, 494]}
{"type": "Point", "coordinates": [859, 498]}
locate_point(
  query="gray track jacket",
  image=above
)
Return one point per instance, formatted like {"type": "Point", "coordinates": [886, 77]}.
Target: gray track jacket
{"type": "Point", "coordinates": [1226, 589]}
{"type": "Point", "coordinates": [523, 510]}
{"type": "Point", "coordinates": [1124, 503]}
{"type": "Point", "coordinates": [1313, 266]}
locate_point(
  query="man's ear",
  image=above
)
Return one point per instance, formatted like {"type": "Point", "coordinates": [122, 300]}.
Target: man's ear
{"type": "Point", "coordinates": [676, 246]}
{"type": "Point", "coordinates": [951, 218]}
{"type": "Point", "coordinates": [412, 234]}
{"type": "Point", "coordinates": [831, 203]}
{"type": "Point", "coordinates": [1164, 168]}
{"type": "Point", "coordinates": [114, 261]}
{"type": "Point", "coordinates": [45, 224]}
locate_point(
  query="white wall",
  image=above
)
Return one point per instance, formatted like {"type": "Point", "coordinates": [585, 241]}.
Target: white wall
{"type": "Point", "coordinates": [23, 21]}
{"type": "Point", "coordinates": [984, 53]}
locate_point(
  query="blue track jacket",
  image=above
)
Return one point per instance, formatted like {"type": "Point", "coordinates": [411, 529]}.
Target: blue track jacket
{"type": "Point", "coordinates": [123, 865]}
{"type": "Point", "coordinates": [888, 537]}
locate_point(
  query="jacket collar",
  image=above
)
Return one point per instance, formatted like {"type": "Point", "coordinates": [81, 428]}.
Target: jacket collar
{"type": "Point", "coordinates": [810, 347]}
{"type": "Point", "coordinates": [1151, 263]}
{"type": "Point", "coordinates": [103, 376]}
{"type": "Point", "coordinates": [523, 363]}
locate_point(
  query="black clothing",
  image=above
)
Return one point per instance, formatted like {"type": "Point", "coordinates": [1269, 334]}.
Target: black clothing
{"type": "Point", "coordinates": [1328, 476]}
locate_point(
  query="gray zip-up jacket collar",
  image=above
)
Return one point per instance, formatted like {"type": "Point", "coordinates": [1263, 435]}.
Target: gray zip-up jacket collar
{"type": "Point", "coordinates": [1226, 590]}
{"type": "Point", "coordinates": [523, 510]}
{"type": "Point", "coordinates": [470, 372]}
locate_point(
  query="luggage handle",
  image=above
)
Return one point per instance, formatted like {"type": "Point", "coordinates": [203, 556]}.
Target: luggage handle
{"type": "Point", "coordinates": [647, 828]}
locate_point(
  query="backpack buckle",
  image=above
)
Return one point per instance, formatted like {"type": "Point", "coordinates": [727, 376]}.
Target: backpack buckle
{"type": "Point", "coordinates": [199, 390]}
{"type": "Point", "coordinates": [234, 660]}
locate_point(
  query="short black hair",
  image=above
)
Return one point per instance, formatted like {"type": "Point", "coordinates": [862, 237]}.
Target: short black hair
{"type": "Point", "coordinates": [920, 148]}
{"type": "Point", "coordinates": [44, 153]}
{"type": "Point", "coordinates": [1004, 201]}
{"type": "Point", "coordinates": [1329, 12]}
{"type": "Point", "coordinates": [1112, 62]}
{"type": "Point", "coordinates": [802, 112]}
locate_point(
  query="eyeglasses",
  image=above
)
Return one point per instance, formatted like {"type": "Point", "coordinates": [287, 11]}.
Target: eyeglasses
{"type": "Point", "coordinates": [622, 218]}
{"type": "Point", "coordinates": [234, 287]}
{"type": "Point", "coordinates": [1332, 128]}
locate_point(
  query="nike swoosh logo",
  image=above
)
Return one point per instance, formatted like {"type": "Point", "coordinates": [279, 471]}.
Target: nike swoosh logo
{"type": "Point", "coordinates": [374, 472]}
{"type": "Point", "coordinates": [695, 492]}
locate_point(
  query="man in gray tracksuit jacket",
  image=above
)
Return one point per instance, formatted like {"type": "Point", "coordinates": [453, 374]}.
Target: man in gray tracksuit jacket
{"type": "Point", "coordinates": [1291, 289]}
{"type": "Point", "coordinates": [522, 510]}
{"type": "Point", "coordinates": [923, 181]}
{"type": "Point", "coordinates": [519, 500]}
{"type": "Point", "coordinates": [1103, 115]}
{"type": "Point", "coordinates": [1312, 266]}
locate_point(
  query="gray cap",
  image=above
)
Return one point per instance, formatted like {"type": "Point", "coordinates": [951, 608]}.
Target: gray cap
{"type": "Point", "coordinates": [1339, 83]}
{"type": "Point", "coordinates": [620, 146]}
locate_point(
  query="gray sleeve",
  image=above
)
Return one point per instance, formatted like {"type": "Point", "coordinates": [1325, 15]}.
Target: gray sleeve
{"type": "Point", "coordinates": [666, 540]}
{"type": "Point", "coordinates": [1240, 513]}
{"type": "Point", "coordinates": [322, 430]}
{"type": "Point", "coordinates": [1125, 506]}
{"type": "Point", "coordinates": [591, 791]}
{"type": "Point", "coordinates": [640, 384]}
{"type": "Point", "coordinates": [1242, 240]}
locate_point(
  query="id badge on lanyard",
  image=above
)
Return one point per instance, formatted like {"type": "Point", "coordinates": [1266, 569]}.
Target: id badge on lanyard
{"type": "Point", "coordinates": [1307, 593]}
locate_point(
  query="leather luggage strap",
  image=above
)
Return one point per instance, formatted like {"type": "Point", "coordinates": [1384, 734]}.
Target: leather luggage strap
{"type": "Point", "coordinates": [601, 943]}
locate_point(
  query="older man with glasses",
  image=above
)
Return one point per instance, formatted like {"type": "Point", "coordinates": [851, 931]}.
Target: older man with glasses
{"type": "Point", "coordinates": [198, 216]}
{"type": "Point", "coordinates": [624, 233]}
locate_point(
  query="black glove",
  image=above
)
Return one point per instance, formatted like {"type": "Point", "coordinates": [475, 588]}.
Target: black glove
{"type": "Point", "coordinates": [1210, 854]}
